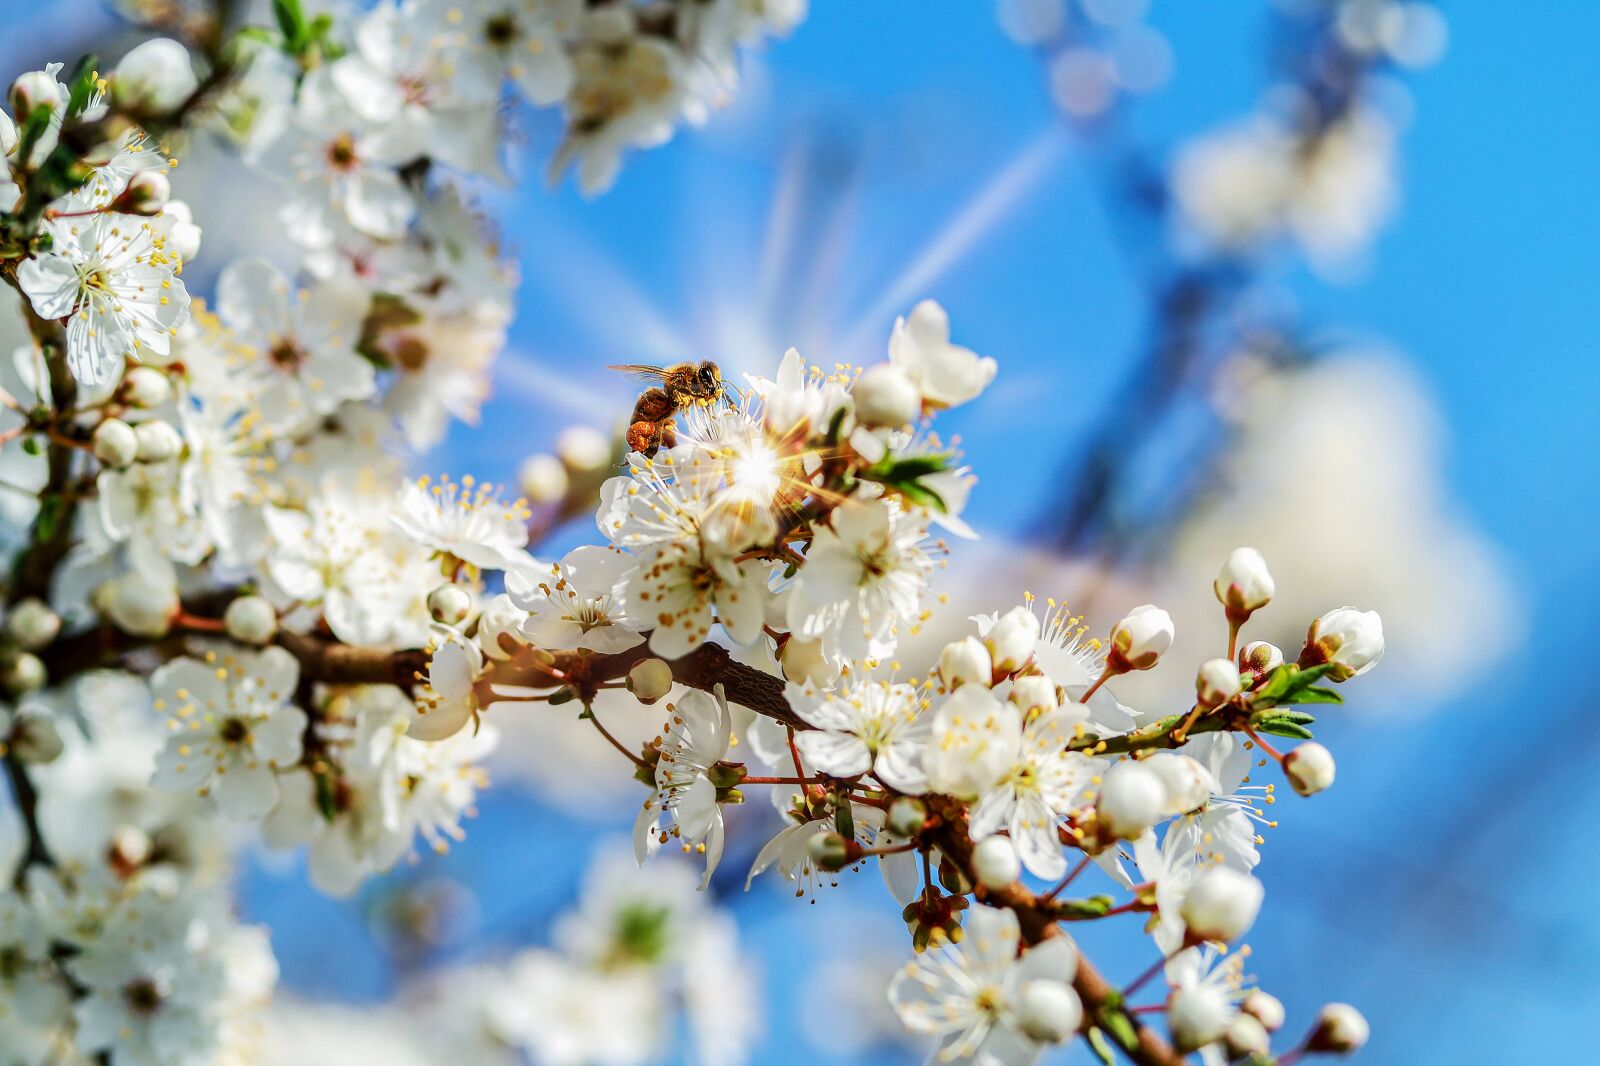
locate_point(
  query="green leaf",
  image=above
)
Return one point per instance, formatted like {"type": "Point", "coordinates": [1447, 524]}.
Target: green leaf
{"type": "Point", "coordinates": [1101, 1049]}
{"type": "Point", "coordinates": [918, 494]}
{"type": "Point", "coordinates": [1083, 909]}
{"type": "Point", "coordinates": [1284, 714]}
{"type": "Point", "coordinates": [1280, 728]}
{"type": "Point", "coordinates": [1120, 1027]}
{"type": "Point", "coordinates": [291, 20]}
{"type": "Point", "coordinates": [82, 85]}
{"type": "Point", "coordinates": [844, 818]}
{"type": "Point", "coordinates": [1318, 695]}
{"type": "Point", "coordinates": [1288, 683]}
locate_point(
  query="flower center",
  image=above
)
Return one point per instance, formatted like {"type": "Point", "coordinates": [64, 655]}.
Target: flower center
{"type": "Point", "coordinates": [142, 995]}
{"type": "Point", "coordinates": [234, 731]}
{"type": "Point", "coordinates": [342, 152]}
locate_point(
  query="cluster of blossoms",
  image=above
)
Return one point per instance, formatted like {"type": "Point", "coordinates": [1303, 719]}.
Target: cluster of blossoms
{"type": "Point", "coordinates": [229, 608]}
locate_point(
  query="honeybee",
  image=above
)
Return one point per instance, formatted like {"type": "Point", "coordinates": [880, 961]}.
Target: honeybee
{"type": "Point", "coordinates": [682, 385]}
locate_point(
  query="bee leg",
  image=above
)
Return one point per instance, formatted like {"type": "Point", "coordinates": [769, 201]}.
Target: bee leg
{"type": "Point", "coordinates": [667, 434]}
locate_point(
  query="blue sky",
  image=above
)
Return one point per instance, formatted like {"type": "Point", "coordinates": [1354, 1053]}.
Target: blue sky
{"type": "Point", "coordinates": [925, 158]}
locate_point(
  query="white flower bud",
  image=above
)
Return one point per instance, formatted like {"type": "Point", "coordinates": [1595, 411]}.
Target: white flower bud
{"type": "Point", "coordinates": [8, 135]}
{"type": "Point", "coordinates": [1140, 639]}
{"type": "Point", "coordinates": [1198, 1016]}
{"type": "Point", "coordinates": [34, 738]}
{"type": "Point", "coordinates": [114, 443]}
{"type": "Point", "coordinates": [1265, 1008]}
{"type": "Point", "coordinates": [1258, 658]}
{"type": "Point", "coordinates": [1351, 640]}
{"type": "Point", "coordinates": [1049, 1011]}
{"type": "Point", "coordinates": [1247, 1036]}
{"type": "Point", "coordinates": [450, 604]}
{"type": "Point", "coordinates": [1188, 783]}
{"type": "Point", "coordinates": [158, 442]}
{"type": "Point", "coordinates": [650, 680]}
{"type": "Point", "coordinates": [1340, 1028]}
{"type": "Point", "coordinates": [995, 862]}
{"type": "Point", "coordinates": [1243, 584]}
{"type": "Point", "coordinates": [183, 235]}
{"type": "Point", "coordinates": [1011, 639]}
{"type": "Point", "coordinates": [805, 662]}
{"type": "Point", "coordinates": [32, 624]}
{"type": "Point", "coordinates": [885, 395]}
{"type": "Point", "coordinates": [1132, 799]}
{"type": "Point", "coordinates": [1222, 904]}
{"type": "Point", "coordinates": [138, 605]}
{"type": "Point", "coordinates": [155, 78]}
{"type": "Point", "coordinates": [964, 661]}
{"type": "Point", "coordinates": [828, 851]}
{"type": "Point", "coordinates": [22, 672]}
{"type": "Point", "coordinates": [543, 478]}
{"type": "Point", "coordinates": [32, 89]}
{"type": "Point", "coordinates": [1034, 693]}
{"type": "Point", "coordinates": [146, 387]}
{"type": "Point", "coordinates": [250, 620]}
{"type": "Point", "coordinates": [1310, 768]}
{"type": "Point", "coordinates": [907, 816]}
{"type": "Point", "coordinates": [583, 448]}
{"type": "Point", "coordinates": [1217, 682]}
{"type": "Point", "coordinates": [146, 194]}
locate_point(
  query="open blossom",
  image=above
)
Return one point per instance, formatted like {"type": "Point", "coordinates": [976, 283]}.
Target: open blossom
{"type": "Point", "coordinates": [233, 727]}
{"type": "Point", "coordinates": [467, 520]}
{"type": "Point", "coordinates": [299, 347]}
{"type": "Point", "coordinates": [867, 725]}
{"type": "Point", "coordinates": [115, 280]}
{"type": "Point", "coordinates": [450, 699]}
{"type": "Point", "coordinates": [516, 40]}
{"type": "Point", "coordinates": [694, 741]}
{"type": "Point", "coordinates": [574, 603]}
{"type": "Point", "coordinates": [1073, 660]}
{"type": "Point", "coordinates": [332, 554]}
{"type": "Point", "coordinates": [672, 590]}
{"type": "Point", "coordinates": [864, 578]}
{"type": "Point", "coordinates": [970, 995]}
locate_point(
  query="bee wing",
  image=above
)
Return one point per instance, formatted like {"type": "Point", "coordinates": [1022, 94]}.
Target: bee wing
{"type": "Point", "coordinates": [640, 370]}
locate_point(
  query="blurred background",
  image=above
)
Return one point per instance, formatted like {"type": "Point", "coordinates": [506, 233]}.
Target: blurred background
{"type": "Point", "coordinates": [1320, 278]}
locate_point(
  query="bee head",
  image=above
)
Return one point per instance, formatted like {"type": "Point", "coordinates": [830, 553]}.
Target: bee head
{"type": "Point", "coordinates": [708, 379]}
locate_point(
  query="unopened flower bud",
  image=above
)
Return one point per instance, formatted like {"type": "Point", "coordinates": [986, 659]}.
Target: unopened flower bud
{"type": "Point", "coordinates": [1265, 1008]}
{"type": "Point", "coordinates": [965, 661]}
{"type": "Point", "coordinates": [114, 443]}
{"type": "Point", "coordinates": [1140, 639]}
{"type": "Point", "coordinates": [250, 620]}
{"type": "Point", "coordinates": [1011, 640]}
{"type": "Point", "coordinates": [1132, 799]}
{"type": "Point", "coordinates": [828, 851]}
{"type": "Point", "coordinates": [1217, 682]}
{"type": "Point", "coordinates": [1351, 640]}
{"type": "Point", "coordinates": [650, 680]}
{"type": "Point", "coordinates": [34, 738]}
{"type": "Point", "coordinates": [1243, 584]}
{"type": "Point", "coordinates": [805, 662]}
{"type": "Point", "coordinates": [8, 135]}
{"type": "Point", "coordinates": [32, 624]}
{"type": "Point", "coordinates": [147, 194]}
{"type": "Point", "coordinates": [583, 448]}
{"type": "Point", "coordinates": [1198, 1016]}
{"type": "Point", "coordinates": [1222, 904]}
{"type": "Point", "coordinates": [907, 816]}
{"type": "Point", "coordinates": [543, 479]}
{"type": "Point", "coordinates": [1340, 1029]}
{"type": "Point", "coordinates": [33, 89]}
{"type": "Point", "coordinates": [886, 396]}
{"type": "Point", "coordinates": [129, 849]}
{"type": "Point", "coordinates": [138, 605]}
{"type": "Point", "coordinates": [1246, 1036]}
{"type": "Point", "coordinates": [995, 862]}
{"type": "Point", "coordinates": [1258, 658]}
{"type": "Point", "coordinates": [158, 442]}
{"type": "Point", "coordinates": [22, 672]}
{"type": "Point", "coordinates": [155, 78]}
{"type": "Point", "coordinates": [1049, 1011]}
{"type": "Point", "coordinates": [1034, 693]}
{"type": "Point", "coordinates": [450, 604]}
{"type": "Point", "coordinates": [146, 387]}
{"type": "Point", "coordinates": [1188, 783]}
{"type": "Point", "coordinates": [1310, 768]}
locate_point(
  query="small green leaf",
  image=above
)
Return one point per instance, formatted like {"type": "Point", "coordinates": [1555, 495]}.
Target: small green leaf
{"type": "Point", "coordinates": [1280, 728]}
{"type": "Point", "coordinates": [844, 818]}
{"type": "Point", "coordinates": [291, 20]}
{"type": "Point", "coordinates": [1101, 1049]}
{"type": "Point", "coordinates": [1317, 695]}
{"type": "Point", "coordinates": [83, 84]}
{"type": "Point", "coordinates": [1083, 909]}
{"type": "Point", "coordinates": [1284, 714]}
{"type": "Point", "coordinates": [1120, 1027]}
